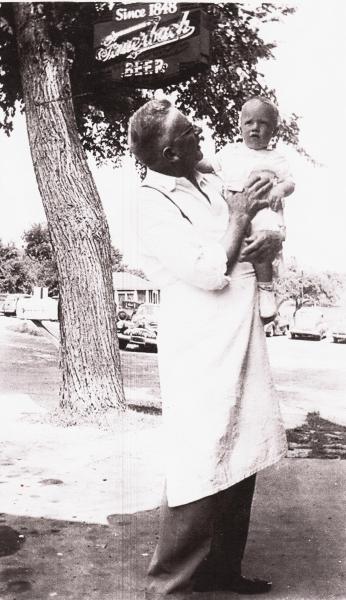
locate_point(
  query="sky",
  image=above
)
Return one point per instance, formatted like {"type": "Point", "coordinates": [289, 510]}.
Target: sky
{"type": "Point", "coordinates": [308, 76]}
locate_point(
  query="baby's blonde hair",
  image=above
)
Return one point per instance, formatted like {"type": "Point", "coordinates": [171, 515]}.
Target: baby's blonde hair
{"type": "Point", "coordinates": [267, 102]}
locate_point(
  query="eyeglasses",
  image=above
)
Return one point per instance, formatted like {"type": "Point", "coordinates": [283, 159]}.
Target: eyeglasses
{"type": "Point", "coordinates": [190, 128]}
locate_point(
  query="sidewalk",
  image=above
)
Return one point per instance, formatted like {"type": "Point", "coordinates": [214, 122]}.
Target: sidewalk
{"type": "Point", "coordinates": [297, 539]}
{"type": "Point", "coordinates": [86, 500]}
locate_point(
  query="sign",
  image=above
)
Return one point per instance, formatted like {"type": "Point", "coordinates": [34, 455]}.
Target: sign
{"type": "Point", "coordinates": [151, 44]}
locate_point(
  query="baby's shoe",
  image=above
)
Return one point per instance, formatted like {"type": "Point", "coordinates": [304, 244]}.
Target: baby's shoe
{"type": "Point", "coordinates": [267, 301]}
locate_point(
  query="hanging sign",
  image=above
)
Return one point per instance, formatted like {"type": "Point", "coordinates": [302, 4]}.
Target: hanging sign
{"type": "Point", "coordinates": [151, 44]}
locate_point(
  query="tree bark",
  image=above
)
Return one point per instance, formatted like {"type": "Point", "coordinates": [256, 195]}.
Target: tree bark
{"type": "Point", "coordinates": [89, 353]}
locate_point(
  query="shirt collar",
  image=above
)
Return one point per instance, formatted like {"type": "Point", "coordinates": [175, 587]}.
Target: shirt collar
{"type": "Point", "coordinates": [169, 182]}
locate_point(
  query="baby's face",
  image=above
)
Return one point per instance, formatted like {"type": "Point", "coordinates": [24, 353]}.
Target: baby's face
{"type": "Point", "coordinates": [257, 124]}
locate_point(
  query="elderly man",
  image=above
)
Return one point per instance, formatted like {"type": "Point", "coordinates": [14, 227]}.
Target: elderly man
{"type": "Point", "coordinates": [220, 415]}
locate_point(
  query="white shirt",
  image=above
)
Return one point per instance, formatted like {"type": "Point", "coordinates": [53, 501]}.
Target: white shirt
{"type": "Point", "coordinates": [172, 247]}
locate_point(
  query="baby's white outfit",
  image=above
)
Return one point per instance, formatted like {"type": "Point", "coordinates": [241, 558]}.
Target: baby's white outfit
{"type": "Point", "coordinates": [235, 162]}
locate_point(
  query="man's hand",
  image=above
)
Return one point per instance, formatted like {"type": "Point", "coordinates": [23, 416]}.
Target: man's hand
{"type": "Point", "coordinates": [258, 186]}
{"type": "Point", "coordinates": [241, 204]}
{"type": "Point", "coordinates": [261, 246]}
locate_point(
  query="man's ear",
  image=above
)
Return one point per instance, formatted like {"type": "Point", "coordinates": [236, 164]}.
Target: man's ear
{"type": "Point", "coordinates": [170, 155]}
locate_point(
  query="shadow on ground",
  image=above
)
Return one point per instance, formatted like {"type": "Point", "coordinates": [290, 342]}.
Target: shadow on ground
{"type": "Point", "coordinates": [297, 539]}
{"type": "Point", "coordinates": [75, 561]}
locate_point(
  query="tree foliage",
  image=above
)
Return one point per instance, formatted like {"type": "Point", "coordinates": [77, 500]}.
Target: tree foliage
{"type": "Point", "coordinates": [118, 264]}
{"type": "Point", "coordinates": [21, 270]}
{"type": "Point", "coordinates": [37, 242]}
{"type": "Point", "coordinates": [15, 275]}
{"type": "Point", "coordinates": [39, 253]}
{"type": "Point", "coordinates": [102, 114]}
{"type": "Point", "coordinates": [307, 286]}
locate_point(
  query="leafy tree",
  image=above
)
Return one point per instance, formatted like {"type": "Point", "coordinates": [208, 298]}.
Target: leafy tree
{"type": "Point", "coordinates": [14, 272]}
{"type": "Point", "coordinates": [237, 46]}
{"type": "Point", "coordinates": [39, 252]}
{"type": "Point", "coordinates": [38, 41]}
{"type": "Point", "coordinates": [46, 58]}
{"type": "Point", "coordinates": [119, 265]}
{"type": "Point", "coordinates": [306, 286]}
{"type": "Point", "coordinates": [102, 113]}
{"type": "Point", "coordinates": [37, 243]}
{"type": "Point", "coordinates": [117, 260]}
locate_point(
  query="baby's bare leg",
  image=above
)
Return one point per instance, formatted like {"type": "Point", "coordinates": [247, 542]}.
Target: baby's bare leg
{"type": "Point", "coordinates": [266, 296]}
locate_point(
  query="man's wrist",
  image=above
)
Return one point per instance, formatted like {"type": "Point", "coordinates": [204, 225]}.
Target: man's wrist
{"type": "Point", "coordinates": [241, 218]}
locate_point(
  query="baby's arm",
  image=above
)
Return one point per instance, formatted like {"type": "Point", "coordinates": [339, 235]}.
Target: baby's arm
{"type": "Point", "coordinates": [285, 188]}
{"type": "Point", "coordinates": [279, 191]}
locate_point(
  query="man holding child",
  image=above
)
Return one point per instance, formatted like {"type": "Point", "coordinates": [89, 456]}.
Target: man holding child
{"type": "Point", "coordinates": [221, 417]}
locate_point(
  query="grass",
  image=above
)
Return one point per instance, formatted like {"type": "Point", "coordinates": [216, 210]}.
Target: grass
{"type": "Point", "coordinates": [317, 438]}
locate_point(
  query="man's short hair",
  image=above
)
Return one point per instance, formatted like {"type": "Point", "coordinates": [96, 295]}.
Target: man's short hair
{"type": "Point", "coordinates": [267, 102]}
{"type": "Point", "coordinates": [146, 127]}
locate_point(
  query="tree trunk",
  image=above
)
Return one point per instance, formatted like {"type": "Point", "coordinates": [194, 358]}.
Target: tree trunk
{"type": "Point", "coordinates": [89, 353]}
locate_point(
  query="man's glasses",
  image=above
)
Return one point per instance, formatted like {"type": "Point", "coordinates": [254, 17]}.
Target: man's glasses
{"type": "Point", "coordinates": [189, 129]}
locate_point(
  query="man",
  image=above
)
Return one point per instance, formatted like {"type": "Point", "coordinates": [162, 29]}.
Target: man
{"type": "Point", "coordinates": [221, 419]}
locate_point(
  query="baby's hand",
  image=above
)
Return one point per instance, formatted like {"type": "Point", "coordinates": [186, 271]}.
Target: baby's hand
{"type": "Point", "coordinates": [275, 198]}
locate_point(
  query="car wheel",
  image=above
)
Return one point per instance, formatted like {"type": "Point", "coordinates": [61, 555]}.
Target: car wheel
{"type": "Point", "coordinates": [293, 336]}
{"type": "Point", "coordinates": [335, 339]}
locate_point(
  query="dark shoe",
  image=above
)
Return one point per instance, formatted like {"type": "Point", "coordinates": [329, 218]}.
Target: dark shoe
{"type": "Point", "coordinates": [240, 585]}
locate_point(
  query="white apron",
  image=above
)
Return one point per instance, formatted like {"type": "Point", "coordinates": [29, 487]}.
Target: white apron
{"type": "Point", "coordinates": [221, 415]}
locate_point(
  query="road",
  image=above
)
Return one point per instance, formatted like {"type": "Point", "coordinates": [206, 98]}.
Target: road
{"type": "Point", "coordinates": [310, 376]}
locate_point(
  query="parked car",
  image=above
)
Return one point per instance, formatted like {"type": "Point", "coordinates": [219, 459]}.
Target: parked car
{"type": "Point", "coordinates": [143, 338]}
{"type": "Point", "coordinates": [278, 326]}
{"type": "Point", "coordinates": [146, 315]}
{"type": "Point", "coordinates": [123, 333]}
{"type": "Point", "coordinates": [127, 309]}
{"type": "Point", "coordinates": [10, 303]}
{"type": "Point", "coordinates": [141, 331]}
{"type": "Point", "coordinates": [309, 322]}
{"type": "Point", "coordinates": [339, 330]}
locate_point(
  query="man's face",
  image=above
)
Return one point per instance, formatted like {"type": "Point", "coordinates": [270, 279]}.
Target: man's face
{"type": "Point", "coordinates": [258, 124]}
{"type": "Point", "coordinates": [184, 140]}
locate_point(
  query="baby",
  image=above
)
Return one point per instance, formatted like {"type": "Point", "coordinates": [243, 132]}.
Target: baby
{"type": "Point", "coordinates": [235, 162]}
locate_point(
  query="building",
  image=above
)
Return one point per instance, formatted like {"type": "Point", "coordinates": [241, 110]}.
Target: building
{"type": "Point", "coordinates": [131, 288]}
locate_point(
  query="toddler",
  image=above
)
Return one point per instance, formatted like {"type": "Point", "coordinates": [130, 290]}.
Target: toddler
{"type": "Point", "coordinates": [235, 162]}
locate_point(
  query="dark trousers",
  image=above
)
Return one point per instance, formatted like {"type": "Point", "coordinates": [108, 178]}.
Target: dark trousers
{"type": "Point", "coordinates": [202, 542]}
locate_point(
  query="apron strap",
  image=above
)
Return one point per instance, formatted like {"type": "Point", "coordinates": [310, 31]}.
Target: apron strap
{"type": "Point", "coordinates": [168, 198]}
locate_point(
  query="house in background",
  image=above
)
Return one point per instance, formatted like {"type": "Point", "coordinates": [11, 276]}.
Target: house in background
{"type": "Point", "coordinates": [131, 288]}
